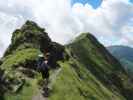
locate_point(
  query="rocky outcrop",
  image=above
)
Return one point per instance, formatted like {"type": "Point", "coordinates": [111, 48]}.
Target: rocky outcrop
{"type": "Point", "coordinates": [19, 61]}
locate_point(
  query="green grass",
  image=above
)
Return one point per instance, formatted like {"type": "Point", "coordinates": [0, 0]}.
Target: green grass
{"type": "Point", "coordinates": [70, 86]}
{"type": "Point", "coordinates": [19, 58]}
{"type": "Point", "coordinates": [82, 77]}
{"type": "Point", "coordinates": [128, 65]}
{"type": "Point", "coordinates": [14, 61]}
{"type": "Point", "coordinates": [27, 92]}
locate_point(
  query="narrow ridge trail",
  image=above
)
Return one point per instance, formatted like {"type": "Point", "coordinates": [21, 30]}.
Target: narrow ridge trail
{"type": "Point", "coordinates": [53, 77]}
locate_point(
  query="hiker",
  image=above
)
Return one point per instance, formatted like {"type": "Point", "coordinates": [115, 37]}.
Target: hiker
{"type": "Point", "coordinates": [43, 66]}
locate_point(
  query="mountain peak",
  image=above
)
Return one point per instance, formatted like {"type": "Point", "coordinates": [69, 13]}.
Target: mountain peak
{"type": "Point", "coordinates": [29, 35]}
{"type": "Point", "coordinates": [83, 35]}
{"type": "Point", "coordinates": [31, 25]}
{"type": "Point", "coordinates": [87, 37]}
{"type": "Point", "coordinates": [29, 22]}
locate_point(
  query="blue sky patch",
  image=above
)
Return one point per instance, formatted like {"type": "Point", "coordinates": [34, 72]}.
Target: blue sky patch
{"type": "Point", "coordinates": [95, 3]}
{"type": "Point", "coordinates": [131, 1]}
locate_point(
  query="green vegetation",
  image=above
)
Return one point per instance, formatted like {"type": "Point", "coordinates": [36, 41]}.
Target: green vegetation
{"type": "Point", "coordinates": [87, 72]}
{"type": "Point", "coordinates": [19, 62]}
{"type": "Point", "coordinates": [128, 65]}
{"type": "Point", "coordinates": [20, 86]}
{"type": "Point", "coordinates": [91, 73]}
{"type": "Point", "coordinates": [29, 36]}
{"type": "Point", "coordinates": [75, 83]}
{"type": "Point", "coordinates": [21, 79]}
{"type": "Point", "coordinates": [29, 89]}
{"type": "Point", "coordinates": [20, 58]}
{"type": "Point", "coordinates": [125, 55]}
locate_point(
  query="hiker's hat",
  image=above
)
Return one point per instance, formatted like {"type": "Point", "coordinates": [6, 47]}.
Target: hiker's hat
{"type": "Point", "coordinates": [40, 55]}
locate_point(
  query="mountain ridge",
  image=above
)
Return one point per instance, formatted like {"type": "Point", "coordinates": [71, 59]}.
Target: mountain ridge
{"type": "Point", "coordinates": [87, 70]}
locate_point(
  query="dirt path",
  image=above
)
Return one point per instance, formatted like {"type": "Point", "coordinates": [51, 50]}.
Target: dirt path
{"type": "Point", "coordinates": [53, 77]}
{"type": "Point", "coordinates": [39, 96]}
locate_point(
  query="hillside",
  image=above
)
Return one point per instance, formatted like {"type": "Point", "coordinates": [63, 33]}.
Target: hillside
{"type": "Point", "coordinates": [125, 55]}
{"type": "Point", "coordinates": [86, 71]}
{"type": "Point", "coordinates": [18, 75]}
{"type": "Point", "coordinates": [97, 74]}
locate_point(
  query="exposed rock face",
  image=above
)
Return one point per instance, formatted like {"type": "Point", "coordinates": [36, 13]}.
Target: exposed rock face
{"type": "Point", "coordinates": [29, 36]}
{"type": "Point", "coordinates": [32, 36]}
{"type": "Point", "coordinates": [19, 60]}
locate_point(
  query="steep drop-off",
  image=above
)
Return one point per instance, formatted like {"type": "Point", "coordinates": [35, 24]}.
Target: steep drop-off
{"type": "Point", "coordinates": [125, 55]}
{"type": "Point", "coordinates": [91, 73]}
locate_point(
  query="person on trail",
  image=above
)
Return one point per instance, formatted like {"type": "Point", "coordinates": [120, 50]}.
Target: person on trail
{"type": "Point", "coordinates": [43, 66]}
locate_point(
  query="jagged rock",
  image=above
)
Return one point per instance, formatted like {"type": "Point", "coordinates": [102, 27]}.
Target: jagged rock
{"type": "Point", "coordinates": [26, 44]}
{"type": "Point", "coordinates": [28, 72]}
{"type": "Point", "coordinates": [4, 85]}
{"type": "Point", "coordinates": [1, 75]}
{"type": "Point", "coordinates": [1, 62]}
{"type": "Point", "coordinates": [31, 36]}
{"type": "Point", "coordinates": [17, 84]}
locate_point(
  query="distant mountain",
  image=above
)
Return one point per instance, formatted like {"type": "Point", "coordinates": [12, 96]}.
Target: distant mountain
{"type": "Point", "coordinates": [122, 52]}
{"type": "Point", "coordinates": [81, 70]}
{"type": "Point", "coordinates": [125, 55]}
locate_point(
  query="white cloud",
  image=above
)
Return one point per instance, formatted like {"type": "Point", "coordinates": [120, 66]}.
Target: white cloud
{"type": "Point", "coordinates": [7, 25]}
{"type": "Point", "coordinates": [112, 20]}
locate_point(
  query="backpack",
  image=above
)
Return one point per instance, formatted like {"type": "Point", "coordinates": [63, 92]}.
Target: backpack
{"type": "Point", "coordinates": [41, 65]}
{"type": "Point", "coordinates": [44, 67]}
{"type": "Point", "coordinates": [39, 62]}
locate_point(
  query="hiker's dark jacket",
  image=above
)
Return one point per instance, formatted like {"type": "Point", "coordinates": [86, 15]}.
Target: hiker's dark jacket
{"type": "Point", "coordinates": [43, 68]}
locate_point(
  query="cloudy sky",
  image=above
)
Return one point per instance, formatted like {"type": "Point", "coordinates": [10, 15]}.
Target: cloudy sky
{"type": "Point", "coordinates": [111, 21]}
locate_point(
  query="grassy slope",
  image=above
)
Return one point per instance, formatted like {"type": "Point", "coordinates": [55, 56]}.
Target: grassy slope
{"type": "Point", "coordinates": [128, 65]}
{"type": "Point", "coordinates": [76, 82]}
{"type": "Point", "coordinates": [11, 65]}
{"type": "Point", "coordinates": [19, 61]}
{"type": "Point", "coordinates": [81, 85]}
{"type": "Point", "coordinates": [28, 91]}
{"type": "Point", "coordinates": [22, 55]}
{"type": "Point", "coordinates": [124, 54]}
